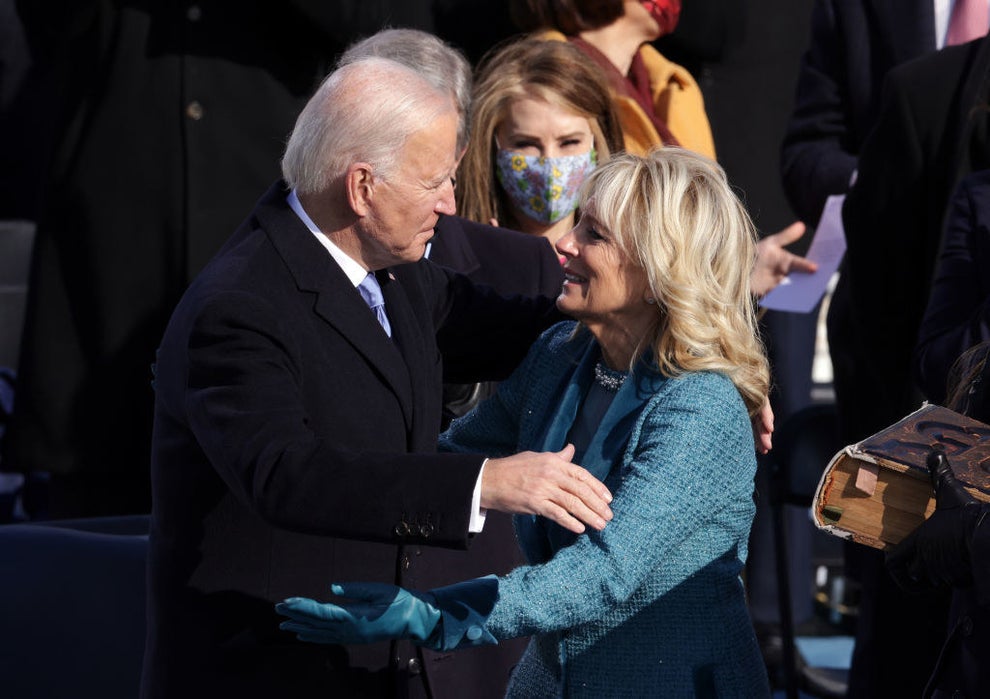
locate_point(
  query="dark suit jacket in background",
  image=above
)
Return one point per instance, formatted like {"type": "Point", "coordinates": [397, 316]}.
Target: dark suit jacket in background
{"type": "Point", "coordinates": [509, 261]}
{"type": "Point", "coordinates": [962, 669]}
{"type": "Point", "coordinates": [957, 318]}
{"type": "Point", "coordinates": [294, 447]}
{"type": "Point", "coordinates": [958, 313]}
{"type": "Point", "coordinates": [854, 43]}
{"type": "Point", "coordinates": [170, 117]}
{"type": "Point", "coordinates": [930, 132]}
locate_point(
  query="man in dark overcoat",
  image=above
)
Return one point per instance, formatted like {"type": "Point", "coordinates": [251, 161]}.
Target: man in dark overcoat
{"type": "Point", "coordinates": [297, 409]}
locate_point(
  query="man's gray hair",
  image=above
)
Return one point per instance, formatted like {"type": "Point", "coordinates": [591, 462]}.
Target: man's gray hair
{"type": "Point", "coordinates": [363, 112]}
{"type": "Point", "coordinates": [437, 62]}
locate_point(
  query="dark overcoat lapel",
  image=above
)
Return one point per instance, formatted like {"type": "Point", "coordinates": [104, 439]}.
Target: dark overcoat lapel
{"type": "Point", "coordinates": [905, 28]}
{"type": "Point", "coordinates": [339, 303]}
{"type": "Point", "coordinates": [411, 343]}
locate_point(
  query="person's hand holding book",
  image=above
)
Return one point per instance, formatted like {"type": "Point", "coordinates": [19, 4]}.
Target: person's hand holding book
{"type": "Point", "coordinates": [938, 553]}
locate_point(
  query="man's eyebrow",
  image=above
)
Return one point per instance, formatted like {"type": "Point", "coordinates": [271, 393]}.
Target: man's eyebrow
{"type": "Point", "coordinates": [443, 177]}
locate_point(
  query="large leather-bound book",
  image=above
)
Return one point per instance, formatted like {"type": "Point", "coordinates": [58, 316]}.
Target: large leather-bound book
{"type": "Point", "coordinates": [877, 491]}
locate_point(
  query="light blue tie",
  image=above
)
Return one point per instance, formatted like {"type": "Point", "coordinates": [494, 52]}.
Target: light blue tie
{"type": "Point", "coordinates": [371, 292]}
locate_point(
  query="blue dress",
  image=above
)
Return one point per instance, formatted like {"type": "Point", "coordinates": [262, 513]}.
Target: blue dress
{"type": "Point", "coordinates": [653, 605]}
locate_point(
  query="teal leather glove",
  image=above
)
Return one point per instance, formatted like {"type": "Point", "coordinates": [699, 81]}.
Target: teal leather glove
{"type": "Point", "coordinates": [442, 619]}
{"type": "Point", "coordinates": [380, 613]}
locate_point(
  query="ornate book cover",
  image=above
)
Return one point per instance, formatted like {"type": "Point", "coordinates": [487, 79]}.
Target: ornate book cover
{"type": "Point", "coordinates": [878, 490]}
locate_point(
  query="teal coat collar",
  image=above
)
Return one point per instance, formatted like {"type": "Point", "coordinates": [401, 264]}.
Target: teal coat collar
{"type": "Point", "coordinates": [613, 431]}
{"type": "Point", "coordinates": [539, 538]}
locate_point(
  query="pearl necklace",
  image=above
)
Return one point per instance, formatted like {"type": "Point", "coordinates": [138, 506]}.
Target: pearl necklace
{"type": "Point", "coordinates": [609, 379]}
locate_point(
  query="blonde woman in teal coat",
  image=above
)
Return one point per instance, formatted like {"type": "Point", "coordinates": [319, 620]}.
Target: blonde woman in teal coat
{"type": "Point", "coordinates": [655, 386]}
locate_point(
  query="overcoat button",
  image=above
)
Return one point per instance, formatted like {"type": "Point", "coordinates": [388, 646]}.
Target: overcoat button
{"type": "Point", "coordinates": [194, 110]}
{"type": "Point", "coordinates": [966, 626]}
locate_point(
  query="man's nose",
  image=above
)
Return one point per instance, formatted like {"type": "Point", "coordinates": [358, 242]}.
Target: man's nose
{"type": "Point", "coordinates": [446, 203]}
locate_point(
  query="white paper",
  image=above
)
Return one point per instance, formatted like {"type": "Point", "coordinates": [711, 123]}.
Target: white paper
{"type": "Point", "coordinates": [800, 292]}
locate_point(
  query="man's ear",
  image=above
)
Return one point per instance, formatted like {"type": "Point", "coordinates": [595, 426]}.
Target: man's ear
{"type": "Point", "coordinates": [359, 183]}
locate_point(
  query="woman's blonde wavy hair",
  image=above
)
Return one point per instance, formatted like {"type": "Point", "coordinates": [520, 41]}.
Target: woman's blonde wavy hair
{"type": "Point", "coordinates": [674, 214]}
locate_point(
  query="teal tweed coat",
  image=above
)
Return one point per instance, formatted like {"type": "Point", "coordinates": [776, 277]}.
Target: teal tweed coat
{"type": "Point", "coordinates": [653, 605]}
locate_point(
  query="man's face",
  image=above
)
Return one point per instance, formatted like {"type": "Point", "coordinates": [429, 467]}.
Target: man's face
{"type": "Point", "coordinates": [408, 203]}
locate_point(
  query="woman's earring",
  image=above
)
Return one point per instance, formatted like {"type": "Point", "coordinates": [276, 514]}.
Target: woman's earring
{"type": "Point", "coordinates": [650, 300]}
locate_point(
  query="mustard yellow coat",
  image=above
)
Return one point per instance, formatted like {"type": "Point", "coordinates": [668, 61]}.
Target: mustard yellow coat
{"type": "Point", "coordinates": [677, 100]}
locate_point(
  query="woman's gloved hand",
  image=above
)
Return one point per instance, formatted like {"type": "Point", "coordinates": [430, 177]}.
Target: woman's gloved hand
{"type": "Point", "coordinates": [937, 553]}
{"type": "Point", "coordinates": [441, 619]}
{"type": "Point", "coordinates": [379, 612]}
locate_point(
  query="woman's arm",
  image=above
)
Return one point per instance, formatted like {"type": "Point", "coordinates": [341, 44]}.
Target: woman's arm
{"type": "Point", "coordinates": [684, 500]}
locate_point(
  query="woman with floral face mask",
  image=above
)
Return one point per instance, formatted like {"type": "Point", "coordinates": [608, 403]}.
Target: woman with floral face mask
{"type": "Point", "coordinates": [657, 102]}
{"type": "Point", "coordinates": [533, 76]}
{"type": "Point", "coordinates": [542, 119]}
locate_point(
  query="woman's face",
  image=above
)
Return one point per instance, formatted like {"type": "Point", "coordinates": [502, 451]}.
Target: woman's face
{"type": "Point", "coordinates": [544, 155]}
{"type": "Point", "coordinates": [602, 286]}
{"type": "Point", "coordinates": [535, 127]}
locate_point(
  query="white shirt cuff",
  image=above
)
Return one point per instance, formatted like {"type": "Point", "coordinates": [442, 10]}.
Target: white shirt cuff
{"type": "Point", "coordinates": [477, 521]}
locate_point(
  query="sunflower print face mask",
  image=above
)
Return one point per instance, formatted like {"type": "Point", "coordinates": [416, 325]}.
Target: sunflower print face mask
{"type": "Point", "coordinates": [544, 189]}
